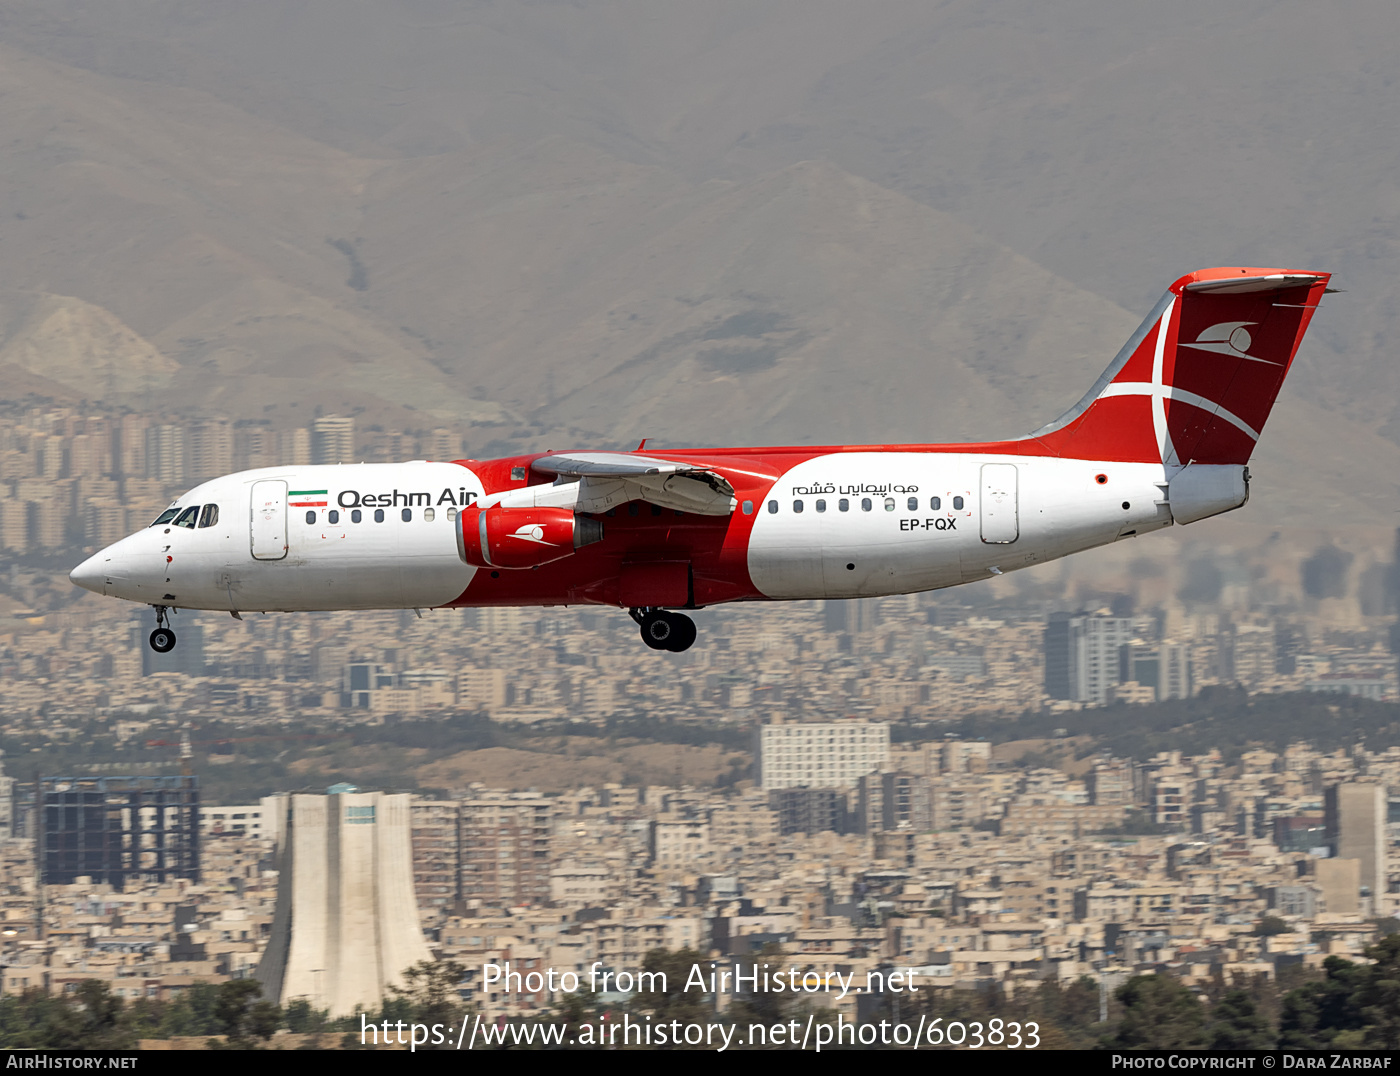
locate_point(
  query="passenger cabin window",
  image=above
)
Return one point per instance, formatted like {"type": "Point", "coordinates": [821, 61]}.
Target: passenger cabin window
{"type": "Point", "coordinates": [379, 515]}
{"type": "Point", "coordinates": [821, 506]}
{"type": "Point", "coordinates": [748, 508]}
{"type": "Point", "coordinates": [913, 504]}
{"type": "Point", "coordinates": [935, 503]}
{"type": "Point", "coordinates": [356, 515]}
{"type": "Point", "coordinates": [188, 518]}
{"type": "Point", "coordinates": [865, 504]}
{"type": "Point", "coordinates": [772, 508]}
{"type": "Point", "coordinates": [429, 515]}
{"type": "Point", "coordinates": [889, 504]}
{"type": "Point", "coordinates": [451, 514]}
{"type": "Point", "coordinates": [797, 506]}
{"type": "Point", "coordinates": [406, 515]}
{"type": "Point", "coordinates": [310, 516]}
{"type": "Point", "coordinates": [210, 515]}
{"type": "Point", "coordinates": [844, 504]}
{"type": "Point", "coordinates": [333, 516]}
{"type": "Point", "coordinates": [958, 503]}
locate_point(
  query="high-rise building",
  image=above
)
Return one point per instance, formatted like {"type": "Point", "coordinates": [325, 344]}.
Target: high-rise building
{"type": "Point", "coordinates": [165, 453]}
{"type": "Point", "coordinates": [7, 804]}
{"type": "Point", "coordinates": [907, 802]}
{"type": "Point", "coordinates": [820, 756]}
{"type": "Point", "coordinates": [210, 449]}
{"type": "Point", "coordinates": [1355, 819]}
{"type": "Point", "coordinates": [346, 924]}
{"type": "Point", "coordinates": [254, 446]}
{"type": "Point", "coordinates": [505, 849]}
{"type": "Point", "coordinates": [14, 524]}
{"type": "Point", "coordinates": [437, 880]}
{"type": "Point", "coordinates": [131, 445]}
{"type": "Point", "coordinates": [1082, 655]}
{"type": "Point", "coordinates": [1253, 653]}
{"type": "Point", "coordinates": [333, 440]}
{"type": "Point", "coordinates": [442, 444]}
{"type": "Point", "coordinates": [293, 448]}
{"type": "Point", "coordinates": [112, 829]}
{"type": "Point", "coordinates": [809, 810]}
{"type": "Point", "coordinates": [1173, 671]}
{"type": "Point", "coordinates": [868, 815]}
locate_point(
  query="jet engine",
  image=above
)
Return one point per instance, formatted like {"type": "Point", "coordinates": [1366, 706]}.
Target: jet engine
{"type": "Point", "coordinates": [499, 537]}
{"type": "Point", "coordinates": [1201, 490]}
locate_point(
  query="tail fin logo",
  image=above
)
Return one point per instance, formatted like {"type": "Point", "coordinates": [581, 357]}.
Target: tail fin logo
{"type": "Point", "coordinates": [1229, 338]}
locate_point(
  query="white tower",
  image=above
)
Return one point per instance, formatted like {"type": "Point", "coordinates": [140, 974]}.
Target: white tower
{"type": "Point", "coordinates": [346, 924]}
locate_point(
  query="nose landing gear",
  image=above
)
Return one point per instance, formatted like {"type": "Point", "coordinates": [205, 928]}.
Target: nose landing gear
{"type": "Point", "coordinates": [664, 631]}
{"type": "Point", "coordinates": [162, 639]}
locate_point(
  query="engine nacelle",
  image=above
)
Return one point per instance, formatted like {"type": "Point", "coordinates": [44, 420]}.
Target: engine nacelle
{"type": "Point", "coordinates": [1207, 489]}
{"type": "Point", "coordinates": [499, 537]}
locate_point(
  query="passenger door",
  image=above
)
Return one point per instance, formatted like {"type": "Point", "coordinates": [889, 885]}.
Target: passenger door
{"type": "Point", "coordinates": [999, 518]}
{"type": "Point", "coordinates": [269, 520]}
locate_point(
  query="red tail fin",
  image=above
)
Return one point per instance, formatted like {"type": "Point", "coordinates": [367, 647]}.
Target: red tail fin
{"type": "Point", "coordinates": [1198, 379]}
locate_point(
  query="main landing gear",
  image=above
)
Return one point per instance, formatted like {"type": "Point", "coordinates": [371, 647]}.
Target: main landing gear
{"type": "Point", "coordinates": [665, 631]}
{"type": "Point", "coordinates": [162, 639]}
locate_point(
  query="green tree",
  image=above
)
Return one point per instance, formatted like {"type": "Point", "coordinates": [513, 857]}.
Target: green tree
{"type": "Point", "coordinates": [1236, 1024]}
{"type": "Point", "coordinates": [35, 1020]}
{"type": "Point", "coordinates": [241, 1016]}
{"type": "Point", "coordinates": [1158, 1014]}
{"type": "Point", "coordinates": [1378, 996]}
{"type": "Point", "coordinates": [1071, 1009]}
{"type": "Point", "coordinates": [1315, 1014]}
{"type": "Point", "coordinates": [430, 995]}
{"type": "Point", "coordinates": [99, 1019]}
{"type": "Point", "coordinates": [192, 1013]}
{"type": "Point", "coordinates": [673, 1002]}
{"type": "Point", "coordinates": [302, 1019]}
{"type": "Point", "coordinates": [1269, 926]}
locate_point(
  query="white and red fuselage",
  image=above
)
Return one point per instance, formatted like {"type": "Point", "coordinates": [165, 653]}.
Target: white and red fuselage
{"type": "Point", "coordinates": [1163, 437]}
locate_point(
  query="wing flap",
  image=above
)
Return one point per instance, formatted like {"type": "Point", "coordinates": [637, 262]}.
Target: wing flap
{"type": "Point", "coordinates": [607, 478]}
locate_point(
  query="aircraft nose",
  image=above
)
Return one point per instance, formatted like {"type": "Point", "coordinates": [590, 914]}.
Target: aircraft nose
{"type": "Point", "coordinates": [90, 574]}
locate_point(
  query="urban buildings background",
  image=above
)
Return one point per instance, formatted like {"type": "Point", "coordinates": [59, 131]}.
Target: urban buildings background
{"type": "Point", "coordinates": [842, 825]}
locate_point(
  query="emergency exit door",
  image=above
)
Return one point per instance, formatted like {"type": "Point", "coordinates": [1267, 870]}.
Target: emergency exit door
{"type": "Point", "coordinates": [269, 520]}
{"type": "Point", "coordinates": [999, 523]}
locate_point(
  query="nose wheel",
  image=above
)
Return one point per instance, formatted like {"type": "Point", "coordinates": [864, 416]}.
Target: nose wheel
{"type": "Point", "coordinates": [665, 631]}
{"type": "Point", "coordinates": [163, 638]}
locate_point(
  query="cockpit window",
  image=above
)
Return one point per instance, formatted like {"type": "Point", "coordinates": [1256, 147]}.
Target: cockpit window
{"type": "Point", "coordinates": [166, 516]}
{"type": "Point", "coordinates": [210, 516]}
{"type": "Point", "coordinates": [187, 518]}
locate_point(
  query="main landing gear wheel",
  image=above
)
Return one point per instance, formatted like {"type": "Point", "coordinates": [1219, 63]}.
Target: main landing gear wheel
{"type": "Point", "coordinates": [667, 631]}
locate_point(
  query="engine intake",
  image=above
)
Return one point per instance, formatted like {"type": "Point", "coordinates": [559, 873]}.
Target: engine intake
{"type": "Point", "coordinates": [499, 537]}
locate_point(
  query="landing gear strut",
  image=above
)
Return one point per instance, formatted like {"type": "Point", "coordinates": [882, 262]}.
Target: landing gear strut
{"type": "Point", "coordinates": [664, 631]}
{"type": "Point", "coordinates": [162, 639]}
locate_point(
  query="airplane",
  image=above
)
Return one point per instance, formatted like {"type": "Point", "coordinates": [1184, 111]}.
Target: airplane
{"type": "Point", "coordinates": [1163, 437]}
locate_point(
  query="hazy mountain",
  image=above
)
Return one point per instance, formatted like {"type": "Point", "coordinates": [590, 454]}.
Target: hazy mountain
{"type": "Point", "coordinates": [700, 223]}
